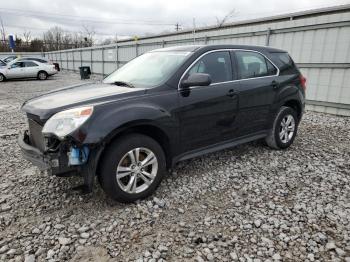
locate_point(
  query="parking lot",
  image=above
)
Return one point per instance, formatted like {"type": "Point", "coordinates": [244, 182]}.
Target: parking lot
{"type": "Point", "coordinates": [249, 203]}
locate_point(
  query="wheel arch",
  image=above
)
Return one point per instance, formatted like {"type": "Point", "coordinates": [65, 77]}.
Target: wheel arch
{"type": "Point", "coordinates": [41, 71]}
{"type": "Point", "coordinates": [143, 128]}
{"type": "Point", "coordinates": [3, 76]}
{"type": "Point", "coordinates": [296, 105]}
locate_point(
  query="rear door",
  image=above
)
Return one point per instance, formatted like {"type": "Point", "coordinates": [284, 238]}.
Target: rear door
{"type": "Point", "coordinates": [207, 114]}
{"type": "Point", "coordinates": [257, 90]}
{"type": "Point", "coordinates": [31, 69]}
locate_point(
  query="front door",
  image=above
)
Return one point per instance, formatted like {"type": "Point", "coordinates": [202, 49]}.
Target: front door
{"type": "Point", "coordinates": [207, 114]}
{"type": "Point", "coordinates": [16, 70]}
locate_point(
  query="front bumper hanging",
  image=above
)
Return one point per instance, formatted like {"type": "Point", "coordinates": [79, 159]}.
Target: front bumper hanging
{"type": "Point", "coordinates": [32, 154]}
{"type": "Point", "coordinates": [56, 163]}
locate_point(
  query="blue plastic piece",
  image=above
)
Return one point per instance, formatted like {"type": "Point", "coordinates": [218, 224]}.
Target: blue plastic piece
{"type": "Point", "coordinates": [78, 156]}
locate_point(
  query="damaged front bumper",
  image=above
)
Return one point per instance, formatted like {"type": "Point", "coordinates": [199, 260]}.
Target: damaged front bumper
{"type": "Point", "coordinates": [56, 163]}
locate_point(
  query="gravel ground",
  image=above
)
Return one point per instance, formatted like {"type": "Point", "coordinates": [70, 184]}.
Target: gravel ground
{"type": "Point", "coordinates": [249, 203]}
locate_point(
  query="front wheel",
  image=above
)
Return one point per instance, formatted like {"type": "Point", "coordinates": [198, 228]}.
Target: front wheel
{"type": "Point", "coordinates": [132, 168]}
{"type": "Point", "coordinates": [2, 78]}
{"type": "Point", "coordinates": [284, 129]}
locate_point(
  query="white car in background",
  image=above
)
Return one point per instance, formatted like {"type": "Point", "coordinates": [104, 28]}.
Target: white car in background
{"type": "Point", "coordinates": [27, 69]}
{"type": "Point", "coordinates": [2, 63]}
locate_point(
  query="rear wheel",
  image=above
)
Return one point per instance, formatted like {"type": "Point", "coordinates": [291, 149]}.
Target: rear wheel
{"type": "Point", "coordinates": [132, 168]}
{"type": "Point", "coordinates": [284, 129]}
{"type": "Point", "coordinates": [42, 75]}
{"type": "Point", "coordinates": [2, 78]}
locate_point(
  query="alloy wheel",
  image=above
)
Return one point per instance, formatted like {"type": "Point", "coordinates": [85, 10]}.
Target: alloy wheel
{"type": "Point", "coordinates": [137, 170]}
{"type": "Point", "coordinates": [287, 128]}
{"type": "Point", "coordinates": [42, 76]}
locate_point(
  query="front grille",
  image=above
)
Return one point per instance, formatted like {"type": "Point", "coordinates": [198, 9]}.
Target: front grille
{"type": "Point", "coordinates": [35, 135]}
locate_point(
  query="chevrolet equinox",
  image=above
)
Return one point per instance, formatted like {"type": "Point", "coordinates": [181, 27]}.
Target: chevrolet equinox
{"type": "Point", "coordinates": [163, 107]}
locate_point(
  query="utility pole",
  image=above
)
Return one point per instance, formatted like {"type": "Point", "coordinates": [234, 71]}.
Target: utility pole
{"type": "Point", "coordinates": [3, 32]}
{"type": "Point", "coordinates": [194, 30]}
{"type": "Point", "coordinates": [177, 27]}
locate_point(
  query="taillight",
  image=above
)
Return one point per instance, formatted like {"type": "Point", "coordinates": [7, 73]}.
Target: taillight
{"type": "Point", "coordinates": [302, 82]}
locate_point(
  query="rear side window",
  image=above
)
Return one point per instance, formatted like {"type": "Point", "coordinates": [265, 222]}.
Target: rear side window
{"type": "Point", "coordinates": [285, 63]}
{"type": "Point", "coordinates": [252, 64]}
{"type": "Point", "coordinates": [30, 64]}
{"type": "Point", "coordinates": [39, 60]}
{"type": "Point", "coordinates": [216, 64]}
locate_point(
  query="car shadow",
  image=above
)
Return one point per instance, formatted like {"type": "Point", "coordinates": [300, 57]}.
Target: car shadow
{"type": "Point", "coordinates": [27, 79]}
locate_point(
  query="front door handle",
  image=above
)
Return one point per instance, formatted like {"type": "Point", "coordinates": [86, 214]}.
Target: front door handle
{"type": "Point", "coordinates": [275, 84]}
{"type": "Point", "coordinates": [231, 93]}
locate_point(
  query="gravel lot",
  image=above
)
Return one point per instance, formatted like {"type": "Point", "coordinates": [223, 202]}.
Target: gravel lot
{"type": "Point", "coordinates": [249, 203]}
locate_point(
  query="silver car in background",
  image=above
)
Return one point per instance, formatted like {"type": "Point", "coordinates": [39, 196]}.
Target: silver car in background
{"type": "Point", "coordinates": [37, 59]}
{"type": "Point", "coordinates": [27, 69]}
{"type": "Point", "coordinates": [2, 63]}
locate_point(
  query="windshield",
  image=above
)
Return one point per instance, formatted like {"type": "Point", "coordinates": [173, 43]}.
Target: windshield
{"type": "Point", "coordinates": [148, 70]}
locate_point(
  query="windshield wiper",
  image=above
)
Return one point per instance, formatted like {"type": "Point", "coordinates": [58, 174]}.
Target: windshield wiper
{"type": "Point", "coordinates": [122, 83]}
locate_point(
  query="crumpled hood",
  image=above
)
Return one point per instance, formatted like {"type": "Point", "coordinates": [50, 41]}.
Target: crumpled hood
{"type": "Point", "coordinates": [50, 103]}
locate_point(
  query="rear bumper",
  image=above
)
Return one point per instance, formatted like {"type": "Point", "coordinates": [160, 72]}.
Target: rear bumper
{"type": "Point", "coordinates": [32, 154]}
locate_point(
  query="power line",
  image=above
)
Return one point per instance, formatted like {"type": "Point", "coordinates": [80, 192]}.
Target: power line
{"type": "Point", "coordinates": [26, 13]}
{"type": "Point", "coordinates": [46, 29]}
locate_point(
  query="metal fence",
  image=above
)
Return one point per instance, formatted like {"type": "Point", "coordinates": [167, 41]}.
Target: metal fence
{"type": "Point", "coordinates": [318, 40]}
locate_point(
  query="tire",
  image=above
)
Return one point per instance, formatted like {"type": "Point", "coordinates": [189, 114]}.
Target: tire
{"type": "Point", "coordinates": [117, 162]}
{"type": "Point", "coordinates": [2, 78]}
{"type": "Point", "coordinates": [42, 75]}
{"type": "Point", "coordinates": [281, 136]}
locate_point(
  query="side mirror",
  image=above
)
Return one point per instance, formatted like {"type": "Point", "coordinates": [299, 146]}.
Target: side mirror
{"type": "Point", "coordinates": [197, 79]}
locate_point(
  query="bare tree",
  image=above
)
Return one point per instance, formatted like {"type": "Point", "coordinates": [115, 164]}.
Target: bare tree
{"type": "Point", "coordinates": [107, 41]}
{"type": "Point", "coordinates": [53, 38]}
{"type": "Point", "coordinates": [3, 33]}
{"type": "Point", "coordinates": [89, 34]}
{"type": "Point", "coordinates": [67, 40]}
{"type": "Point", "coordinates": [27, 36]}
{"type": "Point", "coordinates": [57, 34]}
{"type": "Point", "coordinates": [36, 44]}
{"type": "Point", "coordinates": [221, 22]}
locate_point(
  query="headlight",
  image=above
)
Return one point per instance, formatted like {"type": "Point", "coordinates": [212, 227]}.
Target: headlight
{"type": "Point", "coordinates": [65, 122]}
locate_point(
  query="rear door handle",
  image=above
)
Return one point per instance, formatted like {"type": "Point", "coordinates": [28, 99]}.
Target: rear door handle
{"type": "Point", "coordinates": [275, 84]}
{"type": "Point", "coordinates": [231, 93]}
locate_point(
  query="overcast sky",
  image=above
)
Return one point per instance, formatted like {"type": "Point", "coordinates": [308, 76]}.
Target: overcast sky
{"type": "Point", "coordinates": [129, 18]}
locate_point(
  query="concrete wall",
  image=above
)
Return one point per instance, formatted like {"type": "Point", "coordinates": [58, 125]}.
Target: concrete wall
{"type": "Point", "coordinates": [32, 54]}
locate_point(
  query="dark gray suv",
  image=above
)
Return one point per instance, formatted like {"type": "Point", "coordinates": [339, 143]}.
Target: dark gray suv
{"type": "Point", "coordinates": [162, 107]}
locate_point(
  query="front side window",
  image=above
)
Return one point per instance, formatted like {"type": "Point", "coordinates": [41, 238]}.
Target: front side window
{"type": "Point", "coordinates": [216, 64]}
{"type": "Point", "coordinates": [252, 64]}
{"type": "Point", "coordinates": [17, 64]}
{"type": "Point", "coordinates": [150, 69]}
